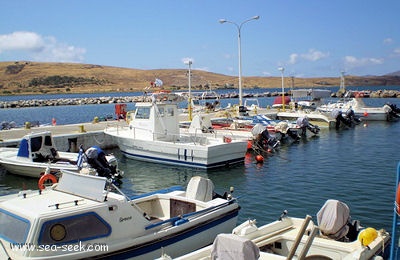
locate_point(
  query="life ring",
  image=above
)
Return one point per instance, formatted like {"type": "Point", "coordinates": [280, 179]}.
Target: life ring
{"type": "Point", "coordinates": [45, 179]}
{"type": "Point", "coordinates": [398, 199]}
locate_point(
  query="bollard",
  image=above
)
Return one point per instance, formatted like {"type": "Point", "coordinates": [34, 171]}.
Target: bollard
{"type": "Point", "coordinates": [82, 129]}
{"type": "Point", "coordinates": [27, 125]}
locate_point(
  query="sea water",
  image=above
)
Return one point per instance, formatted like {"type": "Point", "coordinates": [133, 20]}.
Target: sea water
{"type": "Point", "coordinates": [357, 166]}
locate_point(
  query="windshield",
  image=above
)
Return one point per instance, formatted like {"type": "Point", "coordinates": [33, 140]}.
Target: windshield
{"type": "Point", "coordinates": [13, 228]}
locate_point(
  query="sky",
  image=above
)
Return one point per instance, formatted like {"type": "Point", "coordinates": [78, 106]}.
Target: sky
{"type": "Point", "coordinates": [308, 38]}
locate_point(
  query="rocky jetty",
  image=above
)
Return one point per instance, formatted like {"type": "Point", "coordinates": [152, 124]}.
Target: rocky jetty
{"type": "Point", "coordinates": [132, 99]}
{"type": "Point", "coordinates": [71, 101]}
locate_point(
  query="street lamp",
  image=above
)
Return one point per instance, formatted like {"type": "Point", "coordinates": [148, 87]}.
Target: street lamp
{"type": "Point", "coordinates": [189, 63]}
{"type": "Point", "coordinates": [282, 69]}
{"type": "Point", "coordinates": [239, 27]}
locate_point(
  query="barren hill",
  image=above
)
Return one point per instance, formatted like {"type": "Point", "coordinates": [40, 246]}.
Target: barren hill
{"type": "Point", "coordinates": [26, 77]}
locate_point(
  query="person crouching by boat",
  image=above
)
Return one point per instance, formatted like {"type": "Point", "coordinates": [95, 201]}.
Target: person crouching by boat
{"type": "Point", "coordinates": [97, 159]}
{"type": "Point", "coordinates": [304, 124]}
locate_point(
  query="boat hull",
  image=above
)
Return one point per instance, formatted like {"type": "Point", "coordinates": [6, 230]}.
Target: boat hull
{"type": "Point", "coordinates": [313, 117]}
{"type": "Point", "coordinates": [181, 243]}
{"type": "Point", "coordinates": [185, 154]}
{"type": "Point", "coordinates": [22, 166]}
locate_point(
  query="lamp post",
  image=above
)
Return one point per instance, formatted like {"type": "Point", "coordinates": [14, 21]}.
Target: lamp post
{"type": "Point", "coordinates": [282, 69]}
{"type": "Point", "coordinates": [239, 27]}
{"type": "Point", "coordinates": [189, 63]}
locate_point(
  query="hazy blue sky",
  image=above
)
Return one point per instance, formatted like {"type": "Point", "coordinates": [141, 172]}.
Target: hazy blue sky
{"type": "Point", "coordinates": [307, 37]}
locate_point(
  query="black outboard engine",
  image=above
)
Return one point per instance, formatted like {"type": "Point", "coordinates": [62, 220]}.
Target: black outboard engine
{"type": "Point", "coordinates": [97, 159]}
{"type": "Point", "coordinates": [337, 114]}
{"type": "Point", "coordinates": [351, 116]}
{"type": "Point", "coordinates": [243, 111]}
{"type": "Point", "coordinates": [266, 141]}
{"type": "Point", "coordinates": [392, 111]}
{"type": "Point", "coordinates": [304, 124]}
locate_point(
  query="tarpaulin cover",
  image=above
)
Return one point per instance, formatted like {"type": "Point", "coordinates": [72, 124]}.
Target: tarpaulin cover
{"type": "Point", "coordinates": [230, 246]}
{"type": "Point", "coordinates": [333, 218]}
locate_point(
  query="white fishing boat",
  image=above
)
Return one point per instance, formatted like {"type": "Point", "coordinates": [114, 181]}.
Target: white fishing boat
{"type": "Point", "coordinates": [37, 152]}
{"type": "Point", "coordinates": [154, 136]}
{"type": "Point", "coordinates": [87, 217]}
{"type": "Point", "coordinates": [387, 112]}
{"type": "Point", "coordinates": [304, 103]}
{"type": "Point", "coordinates": [295, 238]}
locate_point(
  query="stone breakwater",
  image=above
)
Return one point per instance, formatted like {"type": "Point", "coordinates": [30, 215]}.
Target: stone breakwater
{"type": "Point", "coordinates": [132, 99]}
{"type": "Point", "coordinates": [71, 101]}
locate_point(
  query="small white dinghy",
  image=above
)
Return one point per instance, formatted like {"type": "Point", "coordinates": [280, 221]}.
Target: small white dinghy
{"type": "Point", "coordinates": [294, 238]}
{"type": "Point", "coordinates": [84, 216]}
{"type": "Point", "coordinates": [37, 152]}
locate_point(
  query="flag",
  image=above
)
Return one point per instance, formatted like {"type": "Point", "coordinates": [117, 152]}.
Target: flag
{"type": "Point", "coordinates": [158, 83]}
{"type": "Point", "coordinates": [79, 161]}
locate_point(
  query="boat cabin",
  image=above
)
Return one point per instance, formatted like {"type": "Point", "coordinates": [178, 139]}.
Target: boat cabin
{"type": "Point", "coordinates": [157, 120]}
{"type": "Point", "coordinates": [38, 147]}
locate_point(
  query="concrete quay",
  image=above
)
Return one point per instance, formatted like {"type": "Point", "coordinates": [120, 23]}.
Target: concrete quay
{"type": "Point", "coordinates": [66, 137]}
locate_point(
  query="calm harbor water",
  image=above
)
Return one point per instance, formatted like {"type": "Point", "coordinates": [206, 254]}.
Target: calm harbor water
{"type": "Point", "coordinates": [357, 166]}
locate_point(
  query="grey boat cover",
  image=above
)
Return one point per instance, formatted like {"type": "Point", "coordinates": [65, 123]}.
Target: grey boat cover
{"type": "Point", "coordinates": [230, 246]}
{"type": "Point", "coordinates": [333, 218]}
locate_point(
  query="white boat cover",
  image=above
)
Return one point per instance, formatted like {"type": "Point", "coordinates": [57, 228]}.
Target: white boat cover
{"type": "Point", "coordinates": [200, 188]}
{"type": "Point", "coordinates": [258, 129]}
{"type": "Point", "coordinates": [282, 127]}
{"type": "Point", "coordinates": [230, 246]}
{"type": "Point", "coordinates": [333, 218]}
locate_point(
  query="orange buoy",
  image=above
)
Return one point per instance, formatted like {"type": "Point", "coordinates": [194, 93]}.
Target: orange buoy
{"type": "Point", "coordinates": [365, 113]}
{"type": "Point", "coordinates": [45, 179]}
{"type": "Point", "coordinates": [53, 121]}
{"type": "Point", "coordinates": [398, 199]}
{"type": "Point", "coordinates": [259, 158]}
{"type": "Point", "coordinates": [249, 144]}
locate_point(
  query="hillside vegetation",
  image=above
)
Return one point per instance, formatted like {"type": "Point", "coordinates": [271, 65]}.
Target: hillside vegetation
{"type": "Point", "coordinates": [26, 77]}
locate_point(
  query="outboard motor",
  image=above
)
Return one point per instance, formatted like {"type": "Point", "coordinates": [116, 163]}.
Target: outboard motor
{"type": "Point", "coordinates": [283, 129]}
{"type": "Point", "coordinates": [304, 124]}
{"type": "Point", "coordinates": [337, 115]}
{"type": "Point", "coordinates": [392, 111]}
{"type": "Point", "coordinates": [334, 221]}
{"type": "Point", "coordinates": [267, 141]}
{"type": "Point", "coordinates": [350, 115]}
{"type": "Point", "coordinates": [97, 159]}
{"type": "Point", "coordinates": [243, 111]}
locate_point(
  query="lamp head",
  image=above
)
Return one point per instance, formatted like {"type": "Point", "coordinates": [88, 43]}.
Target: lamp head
{"type": "Point", "coordinates": [256, 17]}
{"type": "Point", "coordinates": [222, 20]}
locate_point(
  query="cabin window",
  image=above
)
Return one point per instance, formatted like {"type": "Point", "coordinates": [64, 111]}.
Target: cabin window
{"type": "Point", "coordinates": [170, 111]}
{"type": "Point", "coordinates": [72, 229]}
{"type": "Point", "coordinates": [36, 143]}
{"type": "Point", "coordinates": [47, 140]}
{"type": "Point", "coordinates": [161, 111]}
{"type": "Point", "coordinates": [13, 228]}
{"type": "Point", "coordinates": [142, 113]}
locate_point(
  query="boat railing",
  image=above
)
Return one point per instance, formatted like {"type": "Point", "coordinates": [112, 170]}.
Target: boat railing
{"type": "Point", "coordinates": [394, 247]}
